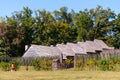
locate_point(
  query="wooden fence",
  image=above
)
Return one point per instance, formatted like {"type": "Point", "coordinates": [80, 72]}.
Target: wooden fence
{"type": "Point", "coordinates": [110, 54]}
{"type": "Point", "coordinates": [84, 57]}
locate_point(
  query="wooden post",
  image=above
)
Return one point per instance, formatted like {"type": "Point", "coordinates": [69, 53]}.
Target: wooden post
{"type": "Point", "coordinates": [61, 58]}
{"type": "Point", "coordinates": [75, 58]}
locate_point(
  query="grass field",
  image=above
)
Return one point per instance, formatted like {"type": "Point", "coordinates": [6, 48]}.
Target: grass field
{"type": "Point", "coordinates": [59, 75]}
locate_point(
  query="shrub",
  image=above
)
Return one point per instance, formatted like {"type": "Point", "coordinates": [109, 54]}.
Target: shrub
{"type": "Point", "coordinates": [91, 64]}
{"type": "Point", "coordinates": [79, 64]}
{"type": "Point", "coordinates": [107, 64]}
{"type": "Point", "coordinates": [112, 64]}
{"type": "Point", "coordinates": [46, 64]}
{"type": "Point", "coordinates": [103, 64]}
{"type": "Point", "coordinates": [42, 64]}
{"type": "Point", "coordinates": [5, 66]}
{"type": "Point", "coordinates": [117, 65]}
{"type": "Point", "coordinates": [36, 64]}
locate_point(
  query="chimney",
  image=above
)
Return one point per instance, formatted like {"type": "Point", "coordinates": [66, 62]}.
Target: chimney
{"type": "Point", "coordinates": [26, 47]}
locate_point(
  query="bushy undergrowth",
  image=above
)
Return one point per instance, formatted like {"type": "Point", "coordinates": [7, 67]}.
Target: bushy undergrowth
{"type": "Point", "coordinates": [6, 66]}
{"type": "Point", "coordinates": [112, 64]}
{"type": "Point", "coordinates": [79, 64]}
{"type": "Point", "coordinates": [42, 64]}
{"type": "Point", "coordinates": [102, 64]}
{"type": "Point", "coordinates": [91, 64]}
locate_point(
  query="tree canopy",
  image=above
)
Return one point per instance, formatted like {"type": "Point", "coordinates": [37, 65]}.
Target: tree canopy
{"type": "Point", "coordinates": [42, 27]}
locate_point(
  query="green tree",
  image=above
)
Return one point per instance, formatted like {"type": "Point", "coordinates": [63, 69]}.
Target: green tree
{"type": "Point", "coordinates": [64, 20]}
{"type": "Point", "coordinates": [63, 15]}
{"type": "Point", "coordinates": [45, 28]}
{"type": "Point", "coordinates": [116, 32]}
{"type": "Point", "coordinates": [2, 39]}
{"type": "Point", "coordinates": [8, 40]}
{"type": "Point", "coordinates": [22, 31]}
{"type": "Point", "coordinates": [102, 22]}
{"type": "Point", "coordinates": [84, 24]}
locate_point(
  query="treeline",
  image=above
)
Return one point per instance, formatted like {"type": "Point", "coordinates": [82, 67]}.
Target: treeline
{"type": "Point", "coordinates": [42, 27]}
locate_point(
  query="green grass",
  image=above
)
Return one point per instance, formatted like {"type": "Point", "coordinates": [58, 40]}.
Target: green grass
{"type": "Point", "coordinates": [70, 74]}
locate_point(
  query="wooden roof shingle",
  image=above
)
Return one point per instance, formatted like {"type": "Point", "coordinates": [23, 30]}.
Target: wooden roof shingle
{"type": "Point", "coordinates": [69, 49]}
{"type": "Point", "coordinates": [101, 44]}
{"type": "Point", "coordinates": [65, 50]}
{"type": "Point", "coordinates": [41, 51]}
{"type": "Point", "coordinates": [86, 47]}
{"type": "Point", "coordinates": [77, 49]}
{"type": "Point", "coordinates": [93, 45]}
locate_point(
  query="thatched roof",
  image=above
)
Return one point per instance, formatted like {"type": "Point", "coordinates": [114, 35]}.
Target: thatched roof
{"type": "Point", "coordinates": [41, 51]}
{"type": "Point", "coordinates": [65, 50]}
{"type": "Point", "coordinates": [86, 47]}
{"type": "Point", "coordinates": [102, 45]}
{"type": "Point", "coordinates": [76, 48]}
{"type": "Point", "coordinates": [55, 51]}
{"type": "Point", "coordinates": [93, 45]}
{"type": "Point", "coordinates": [69, 49]}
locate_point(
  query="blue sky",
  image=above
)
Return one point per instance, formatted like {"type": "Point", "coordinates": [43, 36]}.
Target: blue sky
{"type": "Point", "coordinates": [7, 7]}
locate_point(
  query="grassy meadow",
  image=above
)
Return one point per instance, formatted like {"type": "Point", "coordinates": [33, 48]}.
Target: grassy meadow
{"type": "Point", "coordinates": [69, 74]}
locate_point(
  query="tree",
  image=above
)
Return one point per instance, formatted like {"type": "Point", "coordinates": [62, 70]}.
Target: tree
{"type": "Point", "coordinates": [2, 39]}
{"type": "Point", "coordinates": [84, 24]}
{"type": "Point", "coordinates": [21, 31]}
{"type": "Point", "coordinates": [116, 34]}
{"type": "Point", "coordinates": [102, 22]}
{"type": "Point", "coordinates": [64, 21]}
{"type": "Point", "coordinates": [63, 15]}
{"type": "Point", "coordinates": [8, 40]}
{"type": "Point", "coordinates": [54, 28]}
{"type": "Point", "coordinates": [45, 27]}
{"type": "Point", "coordinates": [61, 26]}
